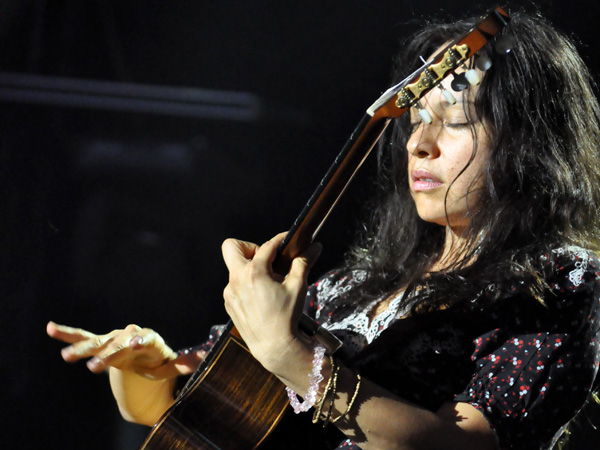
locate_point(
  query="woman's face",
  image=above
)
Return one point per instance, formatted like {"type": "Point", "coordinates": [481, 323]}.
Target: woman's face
{"type": "Point", "coordinates": [439, 155]}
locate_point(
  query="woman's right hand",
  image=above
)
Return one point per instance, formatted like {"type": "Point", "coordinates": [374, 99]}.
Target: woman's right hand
{"type": "Point", "coordinates": [133, 349]}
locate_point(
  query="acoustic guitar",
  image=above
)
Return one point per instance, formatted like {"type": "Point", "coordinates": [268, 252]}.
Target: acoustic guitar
{"type": "Point", "coordinates": [231, 402]}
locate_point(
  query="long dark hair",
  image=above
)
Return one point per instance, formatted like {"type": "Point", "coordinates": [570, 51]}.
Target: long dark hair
{"type": "Point", "coordinates": [541, 180]}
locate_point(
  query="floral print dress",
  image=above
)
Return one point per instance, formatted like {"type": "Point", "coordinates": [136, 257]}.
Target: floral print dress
{"type": "Point", "coordinates": [528, 367]}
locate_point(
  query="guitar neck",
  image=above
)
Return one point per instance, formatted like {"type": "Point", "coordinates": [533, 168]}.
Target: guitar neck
{"type": "Point", "coordinates": [330, 189]}
{"type": "Point", "coordinates": [310, 220]}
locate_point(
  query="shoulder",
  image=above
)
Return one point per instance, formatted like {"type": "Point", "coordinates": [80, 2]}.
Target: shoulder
{"type": "Point", "coordinates": [571, 268]}
{"type": "Point", "coordinates": [572, 275]}
{"type": "Point", "coordinates": [564, 272]}
{"type": "Point", "coordinates": [537, 362]}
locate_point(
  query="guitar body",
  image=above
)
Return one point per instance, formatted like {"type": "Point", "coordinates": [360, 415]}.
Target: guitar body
{"type": "Point", "coordinates": [231, 402]}
{"type": "Point", "coordinates": [234, 387]}
{"type": "Point", "coordinates": [236, 404]}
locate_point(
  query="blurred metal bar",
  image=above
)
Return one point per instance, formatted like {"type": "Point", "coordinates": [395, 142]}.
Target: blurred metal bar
{"type": "Point", "coordinates": [139, 98]}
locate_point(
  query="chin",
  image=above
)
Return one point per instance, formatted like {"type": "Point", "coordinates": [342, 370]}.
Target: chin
{"type": "Point", "coordinates": [442, 220]}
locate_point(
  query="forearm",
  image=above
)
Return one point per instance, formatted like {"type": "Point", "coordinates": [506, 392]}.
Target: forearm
{"type": "Point", "coordinates": [378, 419]}
{"type": "Point", "coordinates": [141, 400]}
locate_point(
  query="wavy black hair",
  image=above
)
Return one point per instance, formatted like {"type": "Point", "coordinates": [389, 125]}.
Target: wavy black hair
{"type": "Point", "coordinates": [541, 186]}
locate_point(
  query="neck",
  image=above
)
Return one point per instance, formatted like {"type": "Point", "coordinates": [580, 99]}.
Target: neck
{"type": "Point", "coordinates": [456, 249]}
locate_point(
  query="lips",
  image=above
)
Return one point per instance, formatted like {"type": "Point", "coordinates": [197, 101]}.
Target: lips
{"type": "Point", "coordinates": [424, 181]}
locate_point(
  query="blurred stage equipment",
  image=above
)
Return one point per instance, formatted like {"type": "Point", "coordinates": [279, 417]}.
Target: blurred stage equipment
{"type": "Point", "coordinates": [130, 97]}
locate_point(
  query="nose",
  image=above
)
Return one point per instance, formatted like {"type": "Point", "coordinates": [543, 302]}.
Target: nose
{"type": "Point", "coordinates": [423, 141]}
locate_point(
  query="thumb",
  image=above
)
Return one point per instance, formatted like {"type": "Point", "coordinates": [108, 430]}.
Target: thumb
{"type": "Point", "coordinates": [184, 363]}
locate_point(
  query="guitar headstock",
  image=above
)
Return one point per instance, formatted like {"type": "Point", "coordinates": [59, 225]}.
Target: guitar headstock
{"type": "Point", "coordinates": [399, 98]}
{"type": "Point", "coordinates": [393, 103]}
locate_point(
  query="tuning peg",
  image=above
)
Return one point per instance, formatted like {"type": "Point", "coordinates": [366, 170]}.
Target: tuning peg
{"type": "Point", "coordinates": [459, 83]}
{"type": "Point", "coordinates": [472, 77]}
{"type": "Point", "coordinates": [423, 114]}
{"type": "Point", "coordinates": [483, 62]}
{"type": "Point", "coordinates": [447, 95]}
{"type": "Point", "coordinates": [504, 44]}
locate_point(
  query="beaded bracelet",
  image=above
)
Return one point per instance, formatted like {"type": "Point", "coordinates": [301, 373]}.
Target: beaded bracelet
{"type": "Point", "coordinates": [314, 378]}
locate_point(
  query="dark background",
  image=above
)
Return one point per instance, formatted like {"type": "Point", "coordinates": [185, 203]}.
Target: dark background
{"type": "Point", "coordinates": [111, 217]}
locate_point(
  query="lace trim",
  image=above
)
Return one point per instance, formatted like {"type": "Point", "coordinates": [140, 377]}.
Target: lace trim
{"type": "Point", "coordinates": [359, 321]}
{"type": "Point", "coordinates": [581, 263]}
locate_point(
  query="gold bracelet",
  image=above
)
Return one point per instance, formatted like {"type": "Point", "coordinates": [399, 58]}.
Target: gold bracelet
{"type": "Point", "coordinates": [356, 389]}
{"type": "Point", "coordinates": [332, 400]}
{"type": "Point", "coordinates": [320, 402]}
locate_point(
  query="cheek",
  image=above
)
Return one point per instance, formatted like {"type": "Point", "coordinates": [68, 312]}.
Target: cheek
{"type": "Point", "coordinates": [466, 173]}
{"type": "Point", "coordinates": [470, 180]}
{"type": "Point", "coordinates": [410, 162]}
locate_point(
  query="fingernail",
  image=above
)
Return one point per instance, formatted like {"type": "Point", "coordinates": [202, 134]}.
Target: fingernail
{"type": "Point", "coordinates": [66, 352]}
{"type": "Point", "coordinates": [136, 341]}
{"type": "Point", "coordinates": [93, 363]}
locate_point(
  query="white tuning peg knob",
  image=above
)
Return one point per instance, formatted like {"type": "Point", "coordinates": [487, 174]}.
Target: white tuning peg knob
{"type": "Point", "coordinates": [483, 62]}
{"type": "Point", "coordinates": [423, 114]}
{"type": "Point", "coordinates": [472, 77]}
{"type": "Point", "coordinates": [447, 95]}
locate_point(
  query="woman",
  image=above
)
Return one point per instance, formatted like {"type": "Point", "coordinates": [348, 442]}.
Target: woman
{"type": "Point", "coordinates": [469, 312]}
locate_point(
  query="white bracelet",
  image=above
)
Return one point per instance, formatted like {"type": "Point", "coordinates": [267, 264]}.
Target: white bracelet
{"type": "Point", "coordinates": [314, 378]}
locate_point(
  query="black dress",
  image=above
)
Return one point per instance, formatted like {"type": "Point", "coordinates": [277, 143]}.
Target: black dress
{"type": "Point", "coordinates": [528, 367]}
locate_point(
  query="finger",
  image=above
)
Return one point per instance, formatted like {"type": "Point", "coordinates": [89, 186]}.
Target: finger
{"type": "Point", "coordinates": [115, 354]}
{"type": "Point", "coordinates": [67, 334]}
{"type": "Point", "coordinates": [301, 266]}
{"type": "Point", "coordinates": [87, 347]}
{"type": "Point", "coordinates": [148, 340]}
{"type": "Point", "coordinates": [311, 255]}
{"type": "Point", "coordinates": [268, 251]}
{"type": "Point", "coordinates": [135, 349]}
{"type": "Point", "coordinates": [185, 364]}
{"type": "Point", "coordinates": [236, 253]}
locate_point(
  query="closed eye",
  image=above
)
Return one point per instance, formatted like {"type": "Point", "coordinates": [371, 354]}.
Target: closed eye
{"type": "Point", "coordinates": [458, 124]}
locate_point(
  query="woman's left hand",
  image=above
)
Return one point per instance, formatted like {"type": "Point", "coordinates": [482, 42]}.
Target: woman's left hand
{"type": "Point", "coordinates": [264, 306]}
